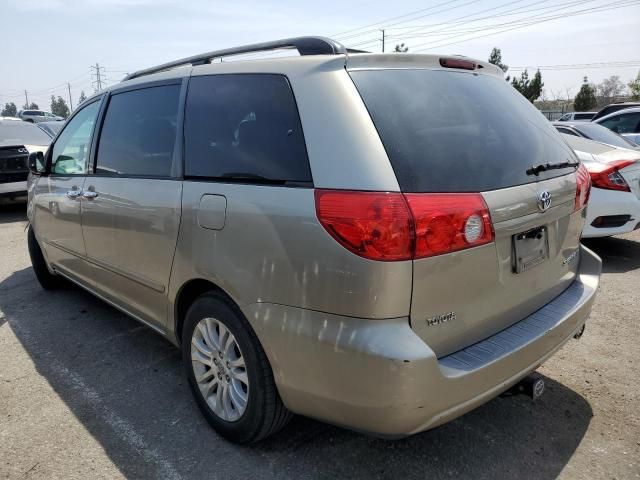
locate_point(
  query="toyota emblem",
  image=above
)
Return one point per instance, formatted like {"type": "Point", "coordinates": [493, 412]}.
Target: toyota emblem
{"type": "Point", "coordinates": [544, 201]}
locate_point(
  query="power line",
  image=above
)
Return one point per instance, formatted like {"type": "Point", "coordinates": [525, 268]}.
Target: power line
{"type": "Point", "coordinates": [342, 34]}
{"type": "Point", "coordinates": [611, 6]}
{"type": "Point", "coordinates": [579, 66]}
{"type": "Point", "coordinates": [457, 20]}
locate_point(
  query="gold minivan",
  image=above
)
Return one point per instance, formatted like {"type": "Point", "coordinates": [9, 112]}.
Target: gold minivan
{"type": "Point", "coordinates": [378, 241]}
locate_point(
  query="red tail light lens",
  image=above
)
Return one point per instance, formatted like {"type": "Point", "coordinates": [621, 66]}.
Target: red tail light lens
{"type": "Point", "coordinates": [583, 187]}
{"type": "Point", "coordinates": [608, 176]}
{"type": "Point", "coordinates": [449, 222]}
{"type": "Point", "coordinates": [374, 225]}
{"type": "Point", "coordinates": [392, 226]}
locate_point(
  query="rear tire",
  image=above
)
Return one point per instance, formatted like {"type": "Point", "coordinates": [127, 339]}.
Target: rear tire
{"type": "Point", "coordinates": [239, 367]}
{"type": "Point", "coordinates": [47, 280]}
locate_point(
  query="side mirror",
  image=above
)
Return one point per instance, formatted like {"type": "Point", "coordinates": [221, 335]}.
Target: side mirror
{"type": "Point", "coordinates": [36, 163]}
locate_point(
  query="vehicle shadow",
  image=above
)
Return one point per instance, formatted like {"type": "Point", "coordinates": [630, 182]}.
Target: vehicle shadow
{"type": "Point", "coordinates": [12, 211]}
{"type": "Point", "coordinates": [619, 255]}
{"type": "Point", "coordinates": [125, 384]}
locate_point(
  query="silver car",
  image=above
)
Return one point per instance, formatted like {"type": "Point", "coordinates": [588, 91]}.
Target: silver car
{"type": "Point", "coordinates": [382, 242]}
{"type": "Point", "coordinates": [37, 116]}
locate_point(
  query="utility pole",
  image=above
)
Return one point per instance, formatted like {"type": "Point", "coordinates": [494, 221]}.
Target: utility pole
{"type": "Point", "coordinates": [382, 40]}
{"type": "Point", "coordinates": [26, 99]}
{"type": "Point", "coordinates": [70, 101]}
{"type": "Point", "coordinates": [99, 77]}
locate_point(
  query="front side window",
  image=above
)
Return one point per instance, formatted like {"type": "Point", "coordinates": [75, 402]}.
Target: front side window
{"type": "Point", "coordinates": [71, 151]}
{"type": "Point", "coordinates": [244, 126]}
{"type": "Point", "coordinates": [623, 123]}
{"type": "Point", "coordinates": [139, 133]}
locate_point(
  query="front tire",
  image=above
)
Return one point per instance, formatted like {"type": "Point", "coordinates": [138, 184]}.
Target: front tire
{"type": "Point", "coordinates": [229, 373]}
{"type": "Point", "coordinates": [47, 280]}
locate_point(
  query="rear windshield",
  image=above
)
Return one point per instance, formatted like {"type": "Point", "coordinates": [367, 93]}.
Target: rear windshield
{"type": "Point", "coordinates": [602, 134]}
{"type": "Point", "coordinates": [448, 131]}
{"type": "Point", "coordinates": [583, 116]}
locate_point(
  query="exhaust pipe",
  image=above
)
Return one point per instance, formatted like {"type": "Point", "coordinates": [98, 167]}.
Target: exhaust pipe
{"type": "Point", "coordinates": [579, 332]}
{"type": "Point", "coordinates": [532, 386]}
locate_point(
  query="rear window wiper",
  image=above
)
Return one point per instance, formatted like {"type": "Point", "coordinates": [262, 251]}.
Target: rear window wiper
{"type": "Point", "coordinates": [543, 167]}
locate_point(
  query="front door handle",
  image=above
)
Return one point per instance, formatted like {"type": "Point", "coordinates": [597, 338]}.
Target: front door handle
{"type": "Point", "coordinates": [89, 194]}
{"type": "Point", "coordinates": [73, 194]}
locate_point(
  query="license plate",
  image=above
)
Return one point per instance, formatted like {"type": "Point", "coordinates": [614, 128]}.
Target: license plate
{"type": "Point", "coordinates": [530, 248]}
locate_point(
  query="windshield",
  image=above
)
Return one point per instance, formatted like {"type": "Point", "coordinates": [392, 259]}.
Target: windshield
{"type": "Point", "coordinates": [604, 135]}
{"type": "Point", "coordinates": [447, 131]}
{"type": "Point", "coordinates": [21, 133]}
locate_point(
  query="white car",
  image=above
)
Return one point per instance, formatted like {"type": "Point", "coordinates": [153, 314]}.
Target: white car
{"type": "Point", "coordinates": [17, 140]}
{"type": "Point", "coordinates": [577, 117]}
{"type": "Point", "coordinates": [624, 122]}
{"type": "Point", "coordinates": [614, 206]}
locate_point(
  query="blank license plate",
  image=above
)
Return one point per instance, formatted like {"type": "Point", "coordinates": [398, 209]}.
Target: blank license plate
{"type": "Point", "coordinates": [530, 248]}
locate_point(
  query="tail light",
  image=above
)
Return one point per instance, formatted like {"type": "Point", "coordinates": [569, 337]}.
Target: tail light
{"type": "Point", "coordinates": [371, 224]}
{"type": "Point", "coordinates": [448, 222]}
{"type": "Point", "coordinates": [457, 63]}
{"type": "Point", "coordinates": [393, 226]}
{"type": "Point", "coordinates": [608, 175]}
{"type": "Point", "coordinates": [583, 187]}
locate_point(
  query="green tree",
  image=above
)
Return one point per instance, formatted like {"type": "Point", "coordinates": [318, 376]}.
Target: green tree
{"type": "Point", "coordinates": [634, 88]}
{"type": "Point", "coordinates": [9, 110]}
{"type": "Point", "coordinates": [31, 106]}
{"type": "Point", "coordinates": [82, 98]}
{"type": "Point", "coordinates": [586, 98]}
{"type": "Point", "coordinates": [59, 107]}
{"type": "Point", "coordinates": [531, 89]}
{"type": "Point", "coordinates": [496, 59]}
{"type": "Point", "coordinates": [401, 48]}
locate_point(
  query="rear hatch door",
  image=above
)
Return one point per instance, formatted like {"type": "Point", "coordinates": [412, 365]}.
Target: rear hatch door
{"type": "Point", "coordinates": [457, 131]}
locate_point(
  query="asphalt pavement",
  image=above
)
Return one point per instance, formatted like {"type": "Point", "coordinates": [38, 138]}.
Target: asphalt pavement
{"type": "Point", "coordinates": [86, 392]}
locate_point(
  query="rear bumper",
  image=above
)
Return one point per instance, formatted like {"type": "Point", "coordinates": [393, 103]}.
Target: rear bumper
{"type": "Point", "coordinates": [378, 376]}
{"type": "Point", "coordinates": [605, 203]}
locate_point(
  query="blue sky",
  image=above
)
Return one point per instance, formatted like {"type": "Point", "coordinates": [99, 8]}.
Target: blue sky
{"type": "Point", "coordinates": [47, 43]}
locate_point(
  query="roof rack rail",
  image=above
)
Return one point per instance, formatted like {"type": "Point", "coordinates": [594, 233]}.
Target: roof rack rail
{"type": "Point", "coordinates": [304, 45]}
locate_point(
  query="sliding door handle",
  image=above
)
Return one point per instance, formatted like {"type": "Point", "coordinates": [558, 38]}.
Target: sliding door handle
{"type": "Point", "coordinates": [89, 194]}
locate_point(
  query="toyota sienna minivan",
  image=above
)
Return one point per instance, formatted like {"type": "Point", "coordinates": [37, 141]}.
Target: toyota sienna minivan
{"type": "Point", "coordinates": [378, 241]}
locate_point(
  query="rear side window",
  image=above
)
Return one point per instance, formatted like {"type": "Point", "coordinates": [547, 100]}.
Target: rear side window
{"type": "Point", "coordinates": [244, 126]}
{"type": "Point", "coordinates": [447, 131]}
{"type": "Point", "coordinates": [623, 123]}
{"type": "Point", "coordinates": [139, 132]}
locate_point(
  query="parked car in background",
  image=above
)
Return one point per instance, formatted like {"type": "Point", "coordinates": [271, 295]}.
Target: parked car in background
{"type": "Point", "coordinates": [614, 206]}
{"type": "Point", "coordinates": [51, 128]}
{"type": "Point", "coordinates": [37, 116]}
{"type": "Point", "coordinates": [614, 107]}
{"type": "Point", "coordinates": [380, 241]}
{"type": "Point", "coordinates": [596, 132]}
{"type": "Point", "coordinates": [17, 139]}
{"type": "Point", "coordinates": [624, 122]}
{"type": "Point", "coordinates": [577, 117]}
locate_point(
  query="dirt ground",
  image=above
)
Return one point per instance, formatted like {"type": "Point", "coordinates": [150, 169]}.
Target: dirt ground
{"type": "Point", "coordinates": [86, 392]}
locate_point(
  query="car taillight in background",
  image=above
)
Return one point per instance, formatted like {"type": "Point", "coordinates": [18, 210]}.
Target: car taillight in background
{"type": "Point", "coordinates": [391, 226]}
{"type": "Point", "coordinates": [583, 187]}
{"type": "Point", "coordinates": [608, 175]}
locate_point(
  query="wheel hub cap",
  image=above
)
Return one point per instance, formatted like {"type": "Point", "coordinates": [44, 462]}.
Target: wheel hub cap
{"type": "Point", "coordinates": [219, 369]}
